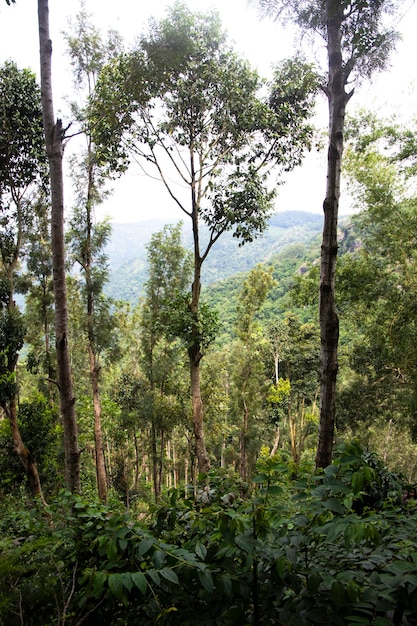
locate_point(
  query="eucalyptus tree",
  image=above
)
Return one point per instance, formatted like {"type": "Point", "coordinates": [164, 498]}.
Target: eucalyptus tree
{"type": "Point", "coordinates": [87, 239]}
{"type": "Point", "coordinates": [378, 281]}
{"type": "Point", "coordinates": [54, 138]}
{"type": "Point", "coordinates": [39, 310]}
{"type": "Point", "coordinates": [169, 274]}
{"type": "Point", "coordinates": [248, 371]}
{"type": "Point", "coordinates": [198, 117]}
{"type": "Point", "coordinates": [358, 43]}
{"type": "Point", "coordinates": [22, 182]}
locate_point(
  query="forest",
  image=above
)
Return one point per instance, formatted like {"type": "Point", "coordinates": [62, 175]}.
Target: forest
{"type": "Point", "coordinates": [210, 421]}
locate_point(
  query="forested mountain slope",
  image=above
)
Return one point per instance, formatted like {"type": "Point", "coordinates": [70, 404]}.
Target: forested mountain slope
{"type": "Point", "coordinates": [127, 250]}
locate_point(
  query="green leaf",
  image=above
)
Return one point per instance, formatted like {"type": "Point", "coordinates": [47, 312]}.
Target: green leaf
{"type": "Point", "coordinates": [224, 584]}
{"type": "Point", "coordinates": [381, 621]}
{"type": "Point", "coordinates": [170, 575]}
{"type": "Point", "coordinates": [201, 551]}
{"type": "Point", "coordinates": [144, 546]}
{"type": "Point", "coordinates": [246, 543]}
{"type": "Point", "coordinates": [139, 580]}
{"type": "Point", "coordinates": [206, 579]}
{"type": "Point", "coordinates": [274, 490]}
{"type": "Point", "coordinates": [400, 567]}
{"type": "Point", "coordinates": [159, 558]}
{"type": "Point", "coordinates": [154, 576]}
{"type": "Point", "coordinates": [334, 505]}
{"type": "Point", "coordinates": [126, 579]}
{"type": "Point", "coordinates": [123, 544]}
{"type": "Point", "coordinates": [116, 586]}
{"type": "Point", "coordinates": [280, 566]}
{"type": "Point", "coordinates": [260, 478]}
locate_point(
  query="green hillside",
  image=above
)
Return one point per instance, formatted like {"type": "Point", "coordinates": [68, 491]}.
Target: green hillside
{"type": "Point", "coordinates": [127, 250]}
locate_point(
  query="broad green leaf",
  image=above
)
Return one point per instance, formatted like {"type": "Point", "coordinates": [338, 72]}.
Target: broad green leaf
{"type": "Point", "coordinates": [201, 551]}
{"type": "Point", "coordinates": [170, 575]}
{"type": "Point", "coordinates": [153, 574]}
{"type": "Point", "coordinates": [123, 544]}
{"type": "Point", "coordinates": [246, 543]}
{"type": "Point", "coordinates": [280, 566]}
{"type": "Point", "coordinates": [224, 584]}
{"type": "Point", "coordinates": [126, 579]}
{"type": "Point", "coordinates": [400, 567]}
{"type": "Point", "coordinates": [116, 586]}
{"type": "Point", "coordinates": [139, 580]}
{"type": "Point", "coordinates": [274, 490]}
{"type": "Point", "coordinates": [159, 558]}
{"type": "Point", "coordinates": [206, 579]}
{"type": "Point", "coordinates": [144, 546]}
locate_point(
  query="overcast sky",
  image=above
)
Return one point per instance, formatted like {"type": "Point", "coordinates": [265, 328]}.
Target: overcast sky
{"type": "Point", "coordinates": [262, 42]}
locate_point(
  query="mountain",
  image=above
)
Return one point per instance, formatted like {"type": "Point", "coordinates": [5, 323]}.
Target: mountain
{"type": "Point", "coordinates": [127, 253]}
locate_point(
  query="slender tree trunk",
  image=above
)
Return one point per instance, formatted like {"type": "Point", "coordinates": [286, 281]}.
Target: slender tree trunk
{"type": "Point", "coordinates": [53, 139]}
{"type": "Point", "coordinates": [195, 355]}
{"type": "Point", "coordinates": [23, 453]}
{"type": "Point", "coordinates": [329, 320]}
{"type": "Point", "coordinates": [98, 435]}
{"type": "Point", "coordinates": [243, 465]}
{"type": "Point", "coordinates": [203, 462]}
{"type": "Point", "coordinates": [155, 462]}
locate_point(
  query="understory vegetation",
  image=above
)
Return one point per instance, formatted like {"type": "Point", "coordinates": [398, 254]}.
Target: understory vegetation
{"type": "Point", "coordinates": [336, 548]}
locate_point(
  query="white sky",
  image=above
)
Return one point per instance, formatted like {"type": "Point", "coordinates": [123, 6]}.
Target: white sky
{"type": "Point", "coordinates": [136, 197]}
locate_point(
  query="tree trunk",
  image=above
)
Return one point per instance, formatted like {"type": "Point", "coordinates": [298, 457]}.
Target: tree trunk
{"type": "Point", "coordinates": [243, 465]}
{"type": "Point", "coordinates": [53, 139]}
{"type": "Point", "coordinates": [195, 356]}
{"type": "Point", "coordinates": [198, 419]}
{"type": "Point", "coordinates": [329, 320]}
{"type": "Point", "coordinates": [155, 461]}
{"type": "Point", "coordinates": [23, 453]}
{"type": "Point", "coordinates": [98, 436]}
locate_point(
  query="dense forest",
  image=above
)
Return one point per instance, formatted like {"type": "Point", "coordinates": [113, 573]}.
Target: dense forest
{"type": "Point", "coordinates": [214, 420]}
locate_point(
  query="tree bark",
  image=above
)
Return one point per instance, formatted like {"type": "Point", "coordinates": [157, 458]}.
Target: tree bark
{"type": "Point", "coordinates": [194, 351]}
{"type": "Point", "coordinates": [98, 435]}
{"type": "Point", "coordinates": [329, 320]}
{"type": "Point", "coordinates": [25, 457]}
{"type": "Point", "coordinates": [54, 146]}
{"type": "Point", "coordinates": [203, 461]}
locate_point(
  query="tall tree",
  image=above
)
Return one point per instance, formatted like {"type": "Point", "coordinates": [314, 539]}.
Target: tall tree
{"type": "Point", "coordinates": [88, 53]}
{"type": "Point", "coordinates": [54, 135]}
{"type": "Point", "coordinates": [248, 372]}
{"type": "Point", "coordinates": [169, 272]}
{"type": "Point", "coordinates": [358, 43]}
{"type": "Point", "coordinates": [187, 106]}
{"type": "Point", "coordinates": [378, 280]}
{"type": "Point", "coordinates": [22, 183]}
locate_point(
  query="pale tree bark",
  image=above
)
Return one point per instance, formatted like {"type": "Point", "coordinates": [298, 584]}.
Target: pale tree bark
{"type": "Point", "coordinates": [329, 320]}
{"type": "Point", "coordinates": [101, 475]}
{"type": "Point", "coordinates": [24, 454]}
{"type": "Point", "coordinates": [54, 146]}
{"type": "Point", "coordinates": [195, 355]}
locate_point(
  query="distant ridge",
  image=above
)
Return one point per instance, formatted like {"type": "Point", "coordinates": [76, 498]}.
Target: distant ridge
{"type": "Point", "coordinates": [127, 250]}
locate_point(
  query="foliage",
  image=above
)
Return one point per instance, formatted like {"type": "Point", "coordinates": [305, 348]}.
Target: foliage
{"type": "Point", "coordinates": [295, 554]}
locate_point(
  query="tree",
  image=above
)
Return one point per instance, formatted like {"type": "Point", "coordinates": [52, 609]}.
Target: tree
{"type": "Point", "coordinates": [377, 281]}
{"type": "Point", "coordinates": [54, 135]}
{"type": "Point", "coordinates": [294, 395]}
{"type": "Point", "coordinates": [88, 54]}
{"type": "Point", "coordinates": [185, 105]}
{"type": "Point", "coordinates": [169, 272]}
{"type": "Point", "coordinates": [247, 363]}
{"type": "Point", "coordinates": [22, 183]}
{"type": "Point", "coordinates": [358, 43]}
